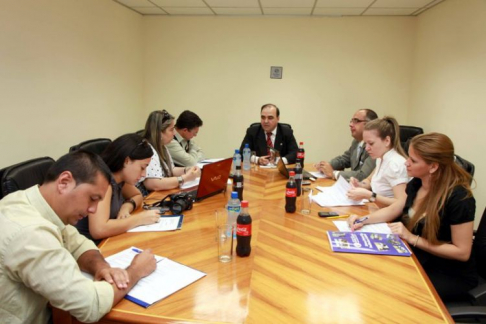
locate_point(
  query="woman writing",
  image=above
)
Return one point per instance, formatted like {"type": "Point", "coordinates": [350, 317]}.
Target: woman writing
{"type": "Point", "coordinates": [161, 172]}
{"type": "Point", "coordinates": [388, 180]}
{"type": "Point", "coordinates": [127, 157]}
{"type": "Point", "coordinates": [436, 215]}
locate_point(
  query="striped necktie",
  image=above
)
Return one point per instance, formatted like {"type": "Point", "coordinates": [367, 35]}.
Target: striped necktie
{"type": "Point", "coordinates": [269, 142]}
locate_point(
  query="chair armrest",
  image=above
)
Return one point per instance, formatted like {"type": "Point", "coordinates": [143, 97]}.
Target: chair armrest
{"type": "Point", "coordinates": [468, 312]}
{"type": "Point", "coordinates": [479, 292]}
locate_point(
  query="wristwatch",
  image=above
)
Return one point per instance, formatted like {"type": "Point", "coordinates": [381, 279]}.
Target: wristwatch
{"type": "Point", "coordinates": [373, 196]}
{"type": "Point", "coordinates": [131, 201]}
{"type": "Point", "coordinates": [180, 180]}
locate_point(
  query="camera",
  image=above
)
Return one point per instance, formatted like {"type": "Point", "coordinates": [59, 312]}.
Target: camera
{"type": "Point", "coordinates": [179, 202]}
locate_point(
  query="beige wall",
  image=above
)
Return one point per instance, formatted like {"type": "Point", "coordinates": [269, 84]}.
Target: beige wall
{"type": "Point", "coordinates": [70, 71]}
{"type": "Point", "coordinates": [219, 67]}
{"type": "Point", "coordinates": [449, 81]}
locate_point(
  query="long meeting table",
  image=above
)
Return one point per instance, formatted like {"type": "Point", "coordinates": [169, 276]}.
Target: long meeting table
{"type": "Point", "coordinates": [291, 276]}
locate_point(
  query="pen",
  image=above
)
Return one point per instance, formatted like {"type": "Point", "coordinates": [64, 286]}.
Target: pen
{"type": "Point", "coordinates": [339, 216]}
{"type": "Point", "coordinates": [136, 250]}
{"type": "Point", "coordinates": [360, 220]}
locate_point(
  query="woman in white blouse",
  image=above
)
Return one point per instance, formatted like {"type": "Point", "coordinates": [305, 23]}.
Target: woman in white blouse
{"type": "Point", "coordinates": [388, 181]}
{"type": "Point", "coordinates": [161, 172]}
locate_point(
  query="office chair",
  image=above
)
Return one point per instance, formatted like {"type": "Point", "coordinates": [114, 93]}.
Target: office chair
{"type": "Point", "coordinates": [283, 124]}
{"type": "Point", "coordinates": [407, 133]}
{"type": "Point", "coordinates": [140, 132]}
{"type": "Point", "coordinates": [475, 307]}
{"type": "Point", "coordinates": [465, 164]}
{"type": "Point", "coordinates": [96, 145]}
{"type": "Point", "coordinates": [25, 174]}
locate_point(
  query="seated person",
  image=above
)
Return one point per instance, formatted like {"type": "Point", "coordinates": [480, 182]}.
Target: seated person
{"type": "Point", "coordinates": [436, 217]}
{"type": "Point", "coordinates": [42, 254]}
{"type": "Point", "coordinates": [355, 158]}
{"type": "Point", "coordinates": [270, 134]}
{"type": "Point", "coordinates": [161, 172]}
{"type": "Point", "coordinates": [183, 149]}
{"type": "Point", "coordinates": [127, 158]}
{"type": "Point", "coordinates": [388, 180]}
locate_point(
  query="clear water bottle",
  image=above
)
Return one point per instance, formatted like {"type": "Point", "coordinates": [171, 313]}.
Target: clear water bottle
{"type": "Point", "coordinates": [246, 157]}
{"type": "Point", "coordinates": [233, 208]}
{"type": "Point", "coordinates": [236, 161]}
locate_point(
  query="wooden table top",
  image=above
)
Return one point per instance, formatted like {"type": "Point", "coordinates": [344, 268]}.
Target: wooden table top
{"type": "Point", "coordinates": [291, 276]}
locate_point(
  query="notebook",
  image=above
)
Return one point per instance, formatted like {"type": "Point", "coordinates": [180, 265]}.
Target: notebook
{"type": "Point", "coordinates": [213, 180]}
{"type": "Point", "coordinates": [285, 172]}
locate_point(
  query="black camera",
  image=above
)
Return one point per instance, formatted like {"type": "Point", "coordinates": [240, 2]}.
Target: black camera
{"type": "Point", "coordinates": [179, 202]}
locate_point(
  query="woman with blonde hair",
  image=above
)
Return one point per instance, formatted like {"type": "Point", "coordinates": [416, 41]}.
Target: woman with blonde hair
{"type": "Point", "coordinates": [161, 172]}
{"type": "Point", "coordinates": [436, 216]}
{"type": "Point", "coordinates": [388, 180]}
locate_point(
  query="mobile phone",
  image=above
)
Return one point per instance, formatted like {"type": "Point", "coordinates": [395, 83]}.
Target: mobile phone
{"type": "Point", "coordinates": [162, 210]}
{"type": "Point", "coordinates": [327, 214]}
{"type": "Point", "coordinates": [306, 182]}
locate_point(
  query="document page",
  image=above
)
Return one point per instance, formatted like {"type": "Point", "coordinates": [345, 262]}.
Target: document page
{"type": "Point", "coordinates": [191, 184]}
{"type": "Point", "coordinates": [166, 223]}
{"type": "Point", "coordinates": [381, 228]}
{"type": "Point", "coordinates": [336, 195]}
{"type": "Point", "coordinates": [168, 277]}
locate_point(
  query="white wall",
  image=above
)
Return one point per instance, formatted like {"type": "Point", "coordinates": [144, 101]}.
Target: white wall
{"type": "Point", "coordinates": [70, 71]}
{"type": "Point", "coordinates": [449, 81]}
{"type": "Point", "coordinates": [219, 67]}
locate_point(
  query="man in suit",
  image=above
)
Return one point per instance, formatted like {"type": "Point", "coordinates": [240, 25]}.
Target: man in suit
{"type": "Point", "coordinates": [270, 134]}
{"type": "Point", "coordinates": [356, 158]}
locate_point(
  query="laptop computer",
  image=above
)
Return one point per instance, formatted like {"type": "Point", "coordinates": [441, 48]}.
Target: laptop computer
{"type": "Point", "coordinates": [213, 180]}
{"type": "Point", "coordinates": [282, 168]}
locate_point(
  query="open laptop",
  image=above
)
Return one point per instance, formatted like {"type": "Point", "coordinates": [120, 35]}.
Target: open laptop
{"type": "Point", "coordinates": [214, 179]}
{"type": "Point", "coordinates": [285, 172]}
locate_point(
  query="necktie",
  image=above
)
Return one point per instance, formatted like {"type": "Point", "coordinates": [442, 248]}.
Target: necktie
{"type": "Point", "coordinates": [360, 148]}
{"type": "Point", "coordinates": [269, 142]}
{"type": "Point", "coordinates": [187, 147]}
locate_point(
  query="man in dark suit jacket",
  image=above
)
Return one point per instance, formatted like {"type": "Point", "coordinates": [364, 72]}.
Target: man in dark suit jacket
{"type": "Point", "coordinates": [281, 137]}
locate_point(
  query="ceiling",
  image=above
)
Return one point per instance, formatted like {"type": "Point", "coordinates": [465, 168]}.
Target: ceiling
{"type": "Point", "coordinates": [333, 8]}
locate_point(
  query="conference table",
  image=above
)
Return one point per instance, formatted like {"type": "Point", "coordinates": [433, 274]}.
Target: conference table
{"type": "Point", "coordinates": [291, 276]}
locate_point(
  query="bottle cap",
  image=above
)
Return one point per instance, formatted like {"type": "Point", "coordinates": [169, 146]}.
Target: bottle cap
{"type": "Point", "coordinates": [247, 145]}
{"type": "Point", "coordinates": [237, 151]}
{"type": "Point", "coordinates": [244, 203]}
{"type": "Point", "coordinates": [234, 195]}
{"type": "Point", "coordinates": [292, 173]}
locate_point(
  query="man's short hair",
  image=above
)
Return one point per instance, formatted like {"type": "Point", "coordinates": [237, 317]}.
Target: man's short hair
{"type": "Point", "coordinates": [83, 165]}
{"type": "Point", "coordinates": [188, 119]}
{"type": "Point", "coordinates": [268, 105]}
{"type": "Point", "coordinates": [370, 114]}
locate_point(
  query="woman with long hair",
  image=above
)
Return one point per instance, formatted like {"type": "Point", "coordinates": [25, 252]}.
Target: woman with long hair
{"type": "Point", "coordinates": [127, 157]}
{"type": "Point", "coordinates": [161, 172]}
{"type": "Point", "coordinates": [436, 216]}
{"type": "Point", "coordinates": [388, 180]}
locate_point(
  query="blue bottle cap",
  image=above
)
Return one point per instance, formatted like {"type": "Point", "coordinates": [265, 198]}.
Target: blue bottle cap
{"type": "Point", "coordinates": [247, 145]}
{"type": "Point", "coordinates": [237, 151]}
{"type": "Point", "coordinates": [234, 195]}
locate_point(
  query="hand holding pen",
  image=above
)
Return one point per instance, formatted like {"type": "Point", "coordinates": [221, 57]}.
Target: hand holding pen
{"type": "Point", "coordinates": [355, 222]}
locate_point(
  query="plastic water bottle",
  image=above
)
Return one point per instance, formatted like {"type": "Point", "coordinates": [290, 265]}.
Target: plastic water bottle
{"type": "Point", "coordinates": [246, 157]}
{"type": "Point", "coordinates": [233, 208]}
{"type": "Point", "coordinates": [236, 161]}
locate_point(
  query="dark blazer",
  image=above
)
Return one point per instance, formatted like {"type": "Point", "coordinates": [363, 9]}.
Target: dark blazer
{"type": "Point", "coordinates": [285, 142]}
{"type": "Point", "coordinates": [360, 167]}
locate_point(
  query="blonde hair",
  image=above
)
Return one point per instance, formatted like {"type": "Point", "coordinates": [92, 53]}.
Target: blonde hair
{"type": "Point", "coordinates": [437, 148]}
{"type": "Point", "coordinates": [157, 122]}
{"type": "Point", "coordinates": [387, 126]}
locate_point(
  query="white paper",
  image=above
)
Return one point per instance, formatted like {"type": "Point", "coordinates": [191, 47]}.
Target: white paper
{"type": "Point", "coordinates": [168, 277]}
{"type": "Point", "coordinates": [317, 174]}
{"type": "Point", "coordinates": [336, 195]}
{"type": "Point", "coordinates": [268, 166]}
{"type": "Point", "coordinates": [190, 184]}
{"type": "Point", "coordinates": [381, 228]}
{"type": "Point", "coordinates": [164, 224]}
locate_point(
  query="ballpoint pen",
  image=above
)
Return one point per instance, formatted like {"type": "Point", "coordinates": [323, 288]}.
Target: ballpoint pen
{"type": "Point", "coordinates": [360, 220]}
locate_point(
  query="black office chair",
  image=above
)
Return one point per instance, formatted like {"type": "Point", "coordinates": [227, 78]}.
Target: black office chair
{"type": "Point", "coordinates": [24, 175]}
{"type": "Point", "coordinates": [407, 133]}
{"type": "Point", "coordinates": [474, 309]}
{"type": "Point", "coordinates": [96, 146]}
{"type": "Point", "coordinates": [283, 124]}
{"type": "Point", "coordinates": [140, 132]}
{"type": "Point", "coordinates": [465, 164]}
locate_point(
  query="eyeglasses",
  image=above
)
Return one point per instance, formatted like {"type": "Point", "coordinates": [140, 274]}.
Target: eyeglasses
{"type": "Point", "coordinates": [165, 116]}
{"type": "Point", "coordinates": [144, 143]}
{"type": "Point", "coordinates": [356, 120]}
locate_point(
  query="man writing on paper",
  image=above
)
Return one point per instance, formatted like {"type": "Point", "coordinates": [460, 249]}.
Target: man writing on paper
{"type": "Point", "coordinates": [270, 134]}
{"type": "Point", "coordinates": [41, 253]}
{"type": "Point", "coordinates": [356, 158]}
{"type": "Point", "coordinates": [183, 149]}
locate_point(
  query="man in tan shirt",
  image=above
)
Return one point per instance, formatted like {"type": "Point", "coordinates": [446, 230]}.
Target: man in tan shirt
{"type": "Point", "coordinates": [41, 253]}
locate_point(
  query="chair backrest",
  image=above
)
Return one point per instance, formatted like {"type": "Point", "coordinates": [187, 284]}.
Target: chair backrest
{"type": "Point", "coordinates": [140, 132]}
{"type": "Point", "coordinates": [25, 174]}
{"type": "Point", "coordinates": [96, 145]}
{"type": "Point", "coordinates": [465, 164]}
{"type": "Point", "coordinates": [283, 124]}
{"type": "Point", "coordinates": [407, 133]}
{"type": "Point", "coordinates": [479, 246]}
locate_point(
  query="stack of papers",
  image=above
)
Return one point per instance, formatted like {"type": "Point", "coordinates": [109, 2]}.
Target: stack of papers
{"type": "Point", "coordinates": [370, 228]}
{"type": "Point", "coordinates": [166, 223]}
{"type": "Point", "coordinates": [336, 195]}
{"type": "Point", "coordinates": [168, 277]}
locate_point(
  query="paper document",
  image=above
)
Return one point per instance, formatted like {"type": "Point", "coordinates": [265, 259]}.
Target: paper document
{"type": "Point", "coordinates": [369, 243]}
{"type": "Point", "coordinates": [268, 166]}
{"type": "Point", "coordinates": [168, 277]}
{"type": "Point", "coordinates": [317, 174]}
{"type": "Point", "coordinates": [190, 184]}
{"type": "Point", "coordinates": [336, 195]}
{"type": "Point", "coordinates": [369, 228]}
{"type": "Point", "coordinates": [166, 223]}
